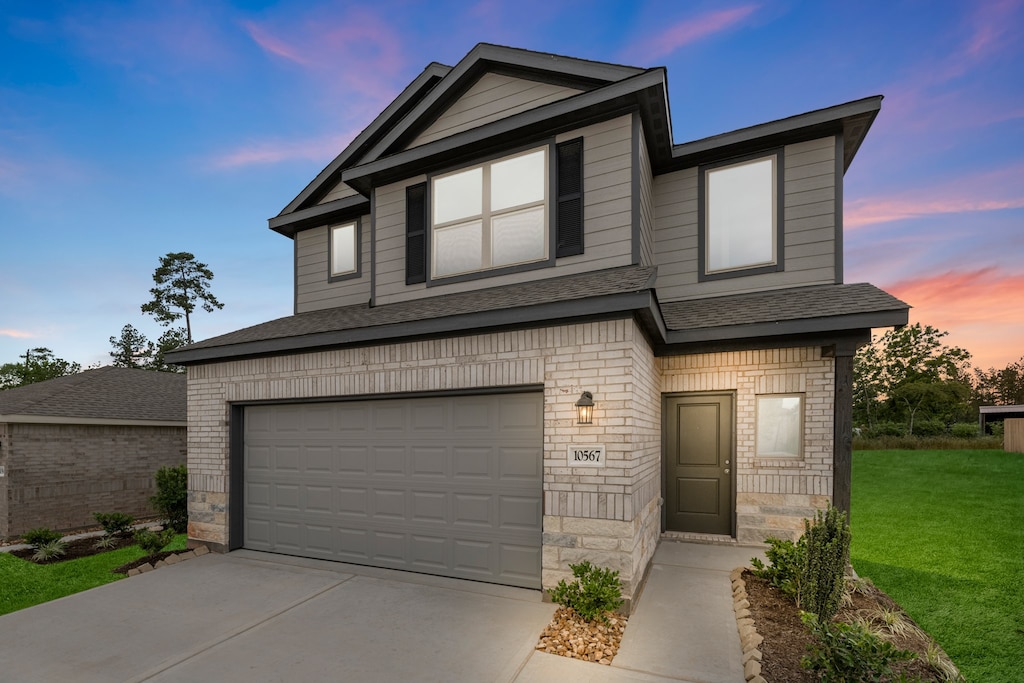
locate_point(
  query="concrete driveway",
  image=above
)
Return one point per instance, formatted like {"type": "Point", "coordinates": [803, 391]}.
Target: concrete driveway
{"type": "Point", "coordinates": [252, 617]}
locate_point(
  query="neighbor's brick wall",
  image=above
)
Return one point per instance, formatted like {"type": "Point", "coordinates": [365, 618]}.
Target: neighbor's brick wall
{"type": "Point", "coordinates": [609, 358]}
{"type": "Point", "coordinates": [59, 475]}
{"type": "Point", "coordinates": [773, 495]}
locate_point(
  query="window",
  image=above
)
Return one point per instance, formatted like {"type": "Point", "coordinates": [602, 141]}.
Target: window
{"type": "Point", "coordinates": [741, 217]}
{"type": "Point", "coordinates": [490, 216]}
{"type": "Point", "coordinates": [344, 250]}
{"type": "Point", "coordinates": [780, 426]}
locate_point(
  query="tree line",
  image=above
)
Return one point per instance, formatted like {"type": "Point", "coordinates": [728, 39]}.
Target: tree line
{"type": "Point", "coordinates": [180, 284]}
{"type": "Point", "coordinates": [908, 381]}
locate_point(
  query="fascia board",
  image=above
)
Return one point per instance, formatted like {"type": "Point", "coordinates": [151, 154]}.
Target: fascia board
{"type": "Point", "coordinates": [483, 54]}
{"type": "Point", "coordinates": [892, 318]}
{"type": "Point", "coordinates": [320, 214]}
{"type": "Point", "coordinates": [356, 175]}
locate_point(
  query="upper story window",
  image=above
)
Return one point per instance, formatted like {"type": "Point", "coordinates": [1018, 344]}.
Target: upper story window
{"type": "Point", "coordinates": [741, 223]}
{"type": "Point", "coordinates": [344, 251]}
{"type": "Point", "coordinates": [490, 216]}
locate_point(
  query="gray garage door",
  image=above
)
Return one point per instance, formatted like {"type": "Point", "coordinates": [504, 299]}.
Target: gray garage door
{"type": "Point", "coordinates": [443, 485]}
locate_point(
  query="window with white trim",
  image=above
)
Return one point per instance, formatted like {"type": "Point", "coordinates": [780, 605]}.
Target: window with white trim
{"type": "Point", "coordinates": [741, 215]}
{"type": "Point", "coordinates": [780, 426]}
{"type": "Point", "coordinates": [490, 216]}
{"type": "Point", "coordinates": [344, 249]}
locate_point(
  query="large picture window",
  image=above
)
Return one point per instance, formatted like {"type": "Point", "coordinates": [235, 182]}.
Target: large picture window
{"type": "Point", "coordinates": [780, 426]}
{"type": "Point", "coordinates": [490, 216]}
{"type": "Point", "coordinates": [741, 216]}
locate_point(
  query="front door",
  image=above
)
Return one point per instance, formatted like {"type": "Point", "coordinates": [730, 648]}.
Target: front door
{"type": "Point", "coordinates": [699, 492]}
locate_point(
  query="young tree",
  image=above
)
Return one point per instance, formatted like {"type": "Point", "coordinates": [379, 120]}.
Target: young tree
{"type": "Point", "coordinates": [889, 372]}
{"type": "Point", "coordinates": [181, 282]}
{"type": "Point", "coordinates": [131, 349]}
{"type": "Point", "coordinates": [39, 365]}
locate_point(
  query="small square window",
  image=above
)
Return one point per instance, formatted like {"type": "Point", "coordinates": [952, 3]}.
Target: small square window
{"type": "Point", "coordinates": [344, 250]}
{"type": "Point", "coordinates": [780, 426]}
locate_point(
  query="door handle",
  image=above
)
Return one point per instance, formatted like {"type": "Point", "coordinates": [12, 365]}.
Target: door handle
{"type": "Point", "coordinates": [727, 470]}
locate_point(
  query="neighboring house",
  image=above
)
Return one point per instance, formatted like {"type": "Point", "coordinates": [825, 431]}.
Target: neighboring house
{"type": "Point", "coordinates": [86, 443]}
{"type": "Point", "coordinates": [510, 233]}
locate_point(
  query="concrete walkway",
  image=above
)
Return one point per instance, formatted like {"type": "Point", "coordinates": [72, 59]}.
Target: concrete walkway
{"type": "Point", "coordinates": [253, 617]}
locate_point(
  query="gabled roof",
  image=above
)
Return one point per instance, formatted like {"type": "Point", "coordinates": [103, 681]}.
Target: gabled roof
{"type": "Point", "coordinates": [107, 395]}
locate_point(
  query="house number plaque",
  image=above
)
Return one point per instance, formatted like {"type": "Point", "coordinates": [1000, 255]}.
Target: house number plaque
{"type": "Point", "coordinates": [586, 455]}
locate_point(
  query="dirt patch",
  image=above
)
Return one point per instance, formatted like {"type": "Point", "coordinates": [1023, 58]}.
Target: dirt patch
{"type": "Point", "coordinates": [73, 550]}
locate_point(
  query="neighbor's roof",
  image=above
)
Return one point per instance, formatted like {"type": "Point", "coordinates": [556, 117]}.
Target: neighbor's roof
{"type": "Point", "coordinates": [106, 395]}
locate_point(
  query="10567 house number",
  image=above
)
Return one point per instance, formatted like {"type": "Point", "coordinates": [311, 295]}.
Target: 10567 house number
{"type": "Point", "coordinates": [585, 455]}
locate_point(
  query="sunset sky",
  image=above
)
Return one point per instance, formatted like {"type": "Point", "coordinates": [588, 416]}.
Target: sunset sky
{"type": "Point", "coordinates": [133, 129]}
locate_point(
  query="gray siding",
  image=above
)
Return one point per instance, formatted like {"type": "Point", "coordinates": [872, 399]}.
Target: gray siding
{"type": "Point", "coordinates": [339, 191]}
{"type": "Point", "coordinates": [645, 199]}
{"type": "Point", "coordinates": [492, 97]}
{"type": "Point", "coordinates": [607, 215]}
{"type": "Point", "coordinates": [313, 291]}
{"type": "Point", "coordinates": [810, 236]}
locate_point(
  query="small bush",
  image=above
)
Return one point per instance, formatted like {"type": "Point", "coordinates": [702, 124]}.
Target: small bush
{"type": "Point", "coordinates": [49, 550]}
{"type": "Point", "coordinates": [105, 542]}
{"type": "Point", "coordinates": [785, 568]}
{"type": "Point", "coordinates": [929, 428]}
{"type": "Point", "coordinates": [927, 443]}
{"type": "Point", "coordinates": [152, 542]}
{"type": "Point", "coordinates": [964, 430]}
{"type": "Point", "coordinates": [114, 523]}
{"type": "Point", "coordinates": [849, 652]}
{"type": "Point", "coordinates": [886, 429]}
{"type": "Point", "coordinates": [828, 553]}
{"type": "Point", "coordinates": [997, 429]}
{"type": "Point", "coordinates": [595, 592]}
{"type": "Point", "coordinates": [171, 499]}
{"type": "Point", "coordinates": [40, 536]}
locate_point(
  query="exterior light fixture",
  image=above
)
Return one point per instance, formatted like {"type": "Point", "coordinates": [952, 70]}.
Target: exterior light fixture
{"type": "Point", "coordinates": [585, 409]}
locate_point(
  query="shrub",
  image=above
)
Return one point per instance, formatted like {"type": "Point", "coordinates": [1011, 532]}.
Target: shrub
{"type": "Point", "coordinates": [152, 542]}
{"type": "Point", "coordinates": [40, 536]}
{"type": "Point", "coordinates": [929, 428]}
{"type": "Point", "coordinates": [964, 430]}
{"type": "Point", "coordinates": [171, 499]}
{"type": "Point", "coordinates": [849, 652]}
{"type": "Point", "coordinates": [105, 542]}
{"type": "Point", "coordinates": [887, 429]}
{"type": "Point", "coordinates": [595, 592]}
{"type": "Point", "coordinates": [49, 550]}
{"type": "Point", "coordinates": [785, 568]}
{"type": "Point", "coordinates": [828, 553]}
{"type": "Point", "coordinates": [114, 523]}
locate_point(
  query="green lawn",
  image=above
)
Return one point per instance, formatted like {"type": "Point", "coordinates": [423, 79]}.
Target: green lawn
{"type": "Point", "coordinates": [23, 584]}
{"type": "Point", "coordinates": [943, 533]}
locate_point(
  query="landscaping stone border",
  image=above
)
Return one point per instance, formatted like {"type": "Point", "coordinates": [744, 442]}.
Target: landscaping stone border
{"type": "Point", "coordinates": [171, 559]}
{"type": "Point", "coordinates": [750, 639]}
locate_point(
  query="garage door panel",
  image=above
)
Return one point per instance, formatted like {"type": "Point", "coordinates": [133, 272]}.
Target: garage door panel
{"type": "Point", "coordinates": [444, 485]}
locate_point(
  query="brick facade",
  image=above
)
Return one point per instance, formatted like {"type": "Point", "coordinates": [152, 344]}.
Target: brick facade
{"type": "Point", "coordinates": [611, 515]}
{"type": "Point", "coordinates": [58, 475]}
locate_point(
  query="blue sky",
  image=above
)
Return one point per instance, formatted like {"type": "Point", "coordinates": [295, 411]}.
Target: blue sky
{"type": "Point", "coordinates": [133, 129]}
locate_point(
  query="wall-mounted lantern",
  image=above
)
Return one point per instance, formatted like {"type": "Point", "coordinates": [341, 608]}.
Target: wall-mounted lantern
{"type": "Point", "coordinates": [585, 409]}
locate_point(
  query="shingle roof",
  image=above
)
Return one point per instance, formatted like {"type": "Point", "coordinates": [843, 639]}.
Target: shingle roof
{"type": "Point", "coordinates": [105, 393]}
{"type": "Point", "coordinates": [567, 288]}
{"type": "Point", "coordinates": [819, 301]}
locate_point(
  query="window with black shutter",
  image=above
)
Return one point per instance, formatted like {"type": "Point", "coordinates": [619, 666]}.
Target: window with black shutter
{"type": "Point", "coordinates": [569, 202]}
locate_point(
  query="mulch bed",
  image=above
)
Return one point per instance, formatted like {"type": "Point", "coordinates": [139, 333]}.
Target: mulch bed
{"type": "Point", "coordinates": [82, 547]}
{"type": "Point", "coordinates": [786, 639]}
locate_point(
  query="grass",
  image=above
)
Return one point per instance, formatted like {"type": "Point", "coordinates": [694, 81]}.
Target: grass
{"type": "Point", "coordinates": [942, 532]}
{"type": "Point", "coordinates": [24, 584]}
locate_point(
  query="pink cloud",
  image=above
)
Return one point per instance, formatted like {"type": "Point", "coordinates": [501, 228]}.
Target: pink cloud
{"type": "Point", "coordinates": [687, 32]}
{"type": "Point", "coordinates": [274, 45]}
{"type": "Point", "coordinates": [982, 309]}
{"type": "Point", "coordinates": [991, 191]}
{"type": "Point", "coordinates": [16, 334]}
{"type": "Point", "coordinates": [276, 151]}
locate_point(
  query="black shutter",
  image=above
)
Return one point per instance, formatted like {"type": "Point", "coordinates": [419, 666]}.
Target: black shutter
{"type": "Point", "coordinates": [416, 234]}
{"type": "Point", "coordinates": [569, 202]}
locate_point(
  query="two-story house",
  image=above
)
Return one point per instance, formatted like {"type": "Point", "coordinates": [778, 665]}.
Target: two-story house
{"type": "Point", "coordinates": [530, 329]}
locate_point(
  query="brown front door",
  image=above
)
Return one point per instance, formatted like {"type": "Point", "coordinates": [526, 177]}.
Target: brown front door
{"type": "Point", "coordinates": [699, 464]}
